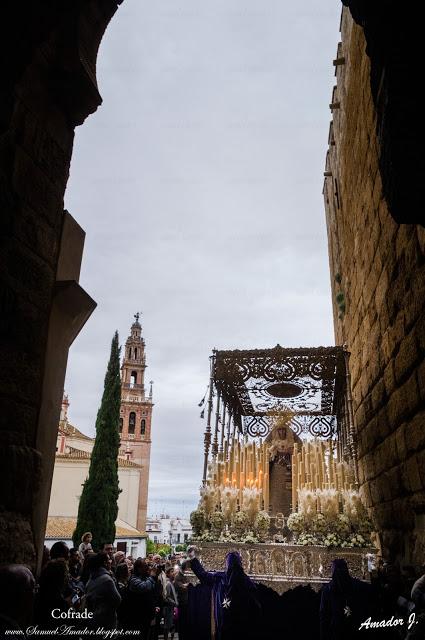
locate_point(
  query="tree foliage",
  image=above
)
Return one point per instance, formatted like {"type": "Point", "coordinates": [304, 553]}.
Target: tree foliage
{"type": "Point", "coordinates": [98, 507]}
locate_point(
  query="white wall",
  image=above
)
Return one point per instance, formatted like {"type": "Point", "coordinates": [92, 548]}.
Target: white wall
{"type": "Point", "coordinates": [68, 478]}
{"type": "Point", "coordinates": [128, 499]}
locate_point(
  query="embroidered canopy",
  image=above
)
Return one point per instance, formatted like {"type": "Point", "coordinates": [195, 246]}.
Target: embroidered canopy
{"type": "Point", "coordinates": [255, 383]}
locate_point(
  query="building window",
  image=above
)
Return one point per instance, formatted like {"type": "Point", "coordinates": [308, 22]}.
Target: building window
{"type": "Point", "coordinates": [133, 379]}
{"type": "Point", "coordinates": [131, 422]}
{"type": "Point", "coordinates": [186, 537]}
{"type": "Point", "coordinates": [155, 539]}
{"type": "Point", "coordinates": [135, 353]}
{"type": "Point", "coordinates": [143, 427]}
{"type": "Point", "coordinates": [178, 537]}
{"type": "Point", "coordinates": [129, 352]}
{"type": "Point", "coordinates": [120, 425]}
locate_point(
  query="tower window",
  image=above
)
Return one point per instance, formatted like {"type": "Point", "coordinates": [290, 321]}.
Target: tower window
{"type": "Point", "coordinates": [131, 422]}
{"type": "Point", "coordinates": [120, 425]}
{"type": "Point", "coordinates": [129, 352]}
{"type": "Point", "coordinates": [143, 427]}
{"type": "Point", "coordinates": [133, 379]}
{"type": "Point", "coordinates": [135, 353]}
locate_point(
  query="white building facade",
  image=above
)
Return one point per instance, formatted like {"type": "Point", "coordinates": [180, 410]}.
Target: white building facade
{"type": "Point", "coordinates": [168, 530]}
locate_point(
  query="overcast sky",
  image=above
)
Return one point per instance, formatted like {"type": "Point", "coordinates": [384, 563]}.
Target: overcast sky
{"type": "Point", "coordinates": [199, 185]}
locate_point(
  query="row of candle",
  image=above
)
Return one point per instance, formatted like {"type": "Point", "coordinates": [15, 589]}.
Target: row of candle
{"type": "Point", "coordinates": [244, 464]}
{"type": "Point", "coordinates": [314, 466]}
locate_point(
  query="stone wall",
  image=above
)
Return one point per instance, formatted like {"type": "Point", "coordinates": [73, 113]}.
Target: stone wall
{"type": "Point", "coordinates": [378, 289]}
{"type": "Point", "coordinates": [48, 86]}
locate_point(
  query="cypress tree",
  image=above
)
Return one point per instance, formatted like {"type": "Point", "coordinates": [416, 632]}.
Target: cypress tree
{"type": "Point", "coordinates": [98, 507]}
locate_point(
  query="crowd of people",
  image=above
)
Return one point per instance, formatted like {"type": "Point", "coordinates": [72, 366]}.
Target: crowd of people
{"type": "Point", "coordinates": [155, 597]}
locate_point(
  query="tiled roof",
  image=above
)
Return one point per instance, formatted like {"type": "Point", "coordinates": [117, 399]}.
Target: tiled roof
{"type": "Point", "coordinates": [62, 528]}
{"type": "Point", "coordinates": [76, 455]}
{"type": "Point", "coordinates": [72, 432]}
{"type": "Point", "coordinates": [72, 452]}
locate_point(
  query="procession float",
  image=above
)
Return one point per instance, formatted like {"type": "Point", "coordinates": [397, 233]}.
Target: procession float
{"type": "Point", "coordinates": [280, 478]}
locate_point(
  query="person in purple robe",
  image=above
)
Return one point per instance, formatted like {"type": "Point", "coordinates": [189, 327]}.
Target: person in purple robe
{"type": "Point", "coordinates": [345, 603]}
{"type": "Point", "coordinates": [234, 603]}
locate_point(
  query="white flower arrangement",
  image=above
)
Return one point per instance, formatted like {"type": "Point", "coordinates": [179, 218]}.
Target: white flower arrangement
{"type": "Point", "coordinates": [197, 520]}
{"type": "Point", "coordinates": [332, 540]}
{"type": "Point", "coordinates": [353, 506]}
{"type": "Point", "coordinates": [307, 539]}
{"type": "Point", "coordinates": [251, 503]}
{"type": "Point", "coordinates": [226, 536]}
{"type": "Point", "coordinates": [229, 502]}
{"type": "Point", "coordinates": [342, 525]}
{"type": "Point", "coordinates": [262, 524]}
{"type": "Point", "coordinates": [296, 523]}
{"type": "Point", "coordinates": [209, 499]}
{"type": "Point", "coordinates": [249, 538]}
{"type": "Point", "coordinates": [329, 502]}
{"type": "Point", "coordinates": [320, 524]}
{"type": "Point", "coordinates": [307, 501]}
{"type": "Point", "coordinates": [217, 522]}
{"type": "Point", "coordinates": [207, 536]}
{"type": "Point", "coordinates": [239, 524]}
{"type": "Point", "coordinates": [329, 526]}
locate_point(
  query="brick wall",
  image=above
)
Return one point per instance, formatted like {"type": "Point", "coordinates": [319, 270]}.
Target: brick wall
{"type": "Point", "coordinates": [378, 288]}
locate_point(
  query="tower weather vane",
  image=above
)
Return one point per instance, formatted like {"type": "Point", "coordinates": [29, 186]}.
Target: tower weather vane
{"type": "Point", "coordinates": [137, 315]}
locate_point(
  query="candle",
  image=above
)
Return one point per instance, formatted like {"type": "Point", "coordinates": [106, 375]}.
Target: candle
{"type": "Point", "coordinates": [294, 483]}
{"type": "Point", "coordinates": [266, 491]}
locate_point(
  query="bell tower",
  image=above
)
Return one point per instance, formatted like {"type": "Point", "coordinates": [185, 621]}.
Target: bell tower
{"type": "Point", "coordinates": [136, 413]}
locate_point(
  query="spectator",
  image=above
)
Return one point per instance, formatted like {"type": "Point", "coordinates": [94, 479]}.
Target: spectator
{"type": "Point", "coordinates": [85, 545]}
{"type": "Point", "coordinates": [181, 584]}
{"type": "Point", "coordinates": [46, 556]}
{"type": "Point", "coordinates": [74, 563]}
{"type": "Point", "coordinates": [122, 575]}
{"type": "Point", "coordinates": [141, 594]}
{"type": "Point", "coordinates": [59, 550]}
{"type": "Point", "coordinates": [102, 596]}
{"type": "Point", "coordinates": [17, 586]}
{"type": "Point", "coordinates": [108, 547]}
{"type": "Point", "coordinates": [170, 604]}
{"type": "Point", "coordinates": [118, 557]}
{"type": "Point", "coordinates": [52, 584]}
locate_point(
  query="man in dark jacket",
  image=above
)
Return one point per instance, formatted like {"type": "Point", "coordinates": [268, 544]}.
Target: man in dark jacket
{"type": "Point", "coordinates": [102, 596]}
{"type": "Point", "coordinates": [141, 598]}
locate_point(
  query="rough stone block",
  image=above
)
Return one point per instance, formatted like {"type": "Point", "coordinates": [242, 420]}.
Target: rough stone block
{"type": "Point", "coordinates": [401, 444]}
{"type": "Point", "coordinates": [421, 238]}
{"type": "Point", "coordinates": [378, 395]}
{"type": "Point", "coordinates": [419, 328]}
{"type": "Point", "coordinates": [421, 380]}
{"type": "Point", "coordinates": [413, 475]}
{"type": "Point", "coordinates": [421, 466]}
{"type": "Point", "coordinates": [389, 378]}
{"type": "Point", "coordinates": [415, 433]}
{"type": "Point", "coordinates": [403, 402]}
{"type": "Point", "coordinates": [406, 358]}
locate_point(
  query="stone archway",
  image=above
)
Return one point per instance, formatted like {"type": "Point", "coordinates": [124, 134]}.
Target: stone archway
{"type": "Point", "coordinates": [48, 88]}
